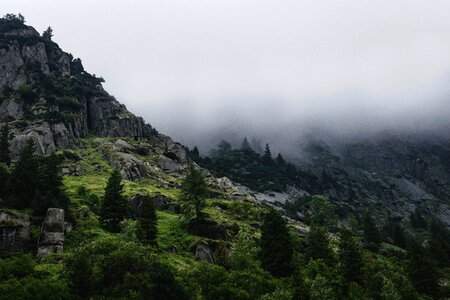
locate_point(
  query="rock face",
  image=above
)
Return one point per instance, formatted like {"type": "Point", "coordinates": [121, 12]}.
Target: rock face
{"type": "Point", "coordinates": [51, 239]}
{"type": "Point", "coordinates": [47, 96]}
{"type": "Point", "coordinates": [14, 232]}
{"type": "Point", "coordinates": [160, 202]}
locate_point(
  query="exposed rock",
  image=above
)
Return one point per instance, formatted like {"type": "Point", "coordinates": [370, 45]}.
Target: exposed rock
{"type": "Point", "coordinates": [168, 165]}
{"type": "Point", "coordinates": [51, 239]}
{"type": "Point", "coordinates": [122, 146]}
{"type": "Point", "coordinates": [203, 252]}
{"type": "Point", "coordinates": [212, 251]}
{"type": "Point", "coordinates": [291, 194]}
{"type": "Point", "coordinates": [14, 232]}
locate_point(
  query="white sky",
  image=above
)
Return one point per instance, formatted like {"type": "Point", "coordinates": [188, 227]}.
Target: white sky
{"type": "Point", "coordinates": [183, 64]}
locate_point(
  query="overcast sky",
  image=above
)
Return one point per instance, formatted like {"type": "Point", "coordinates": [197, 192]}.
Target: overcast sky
{"type": "Point", "coordinates": [191, 67]}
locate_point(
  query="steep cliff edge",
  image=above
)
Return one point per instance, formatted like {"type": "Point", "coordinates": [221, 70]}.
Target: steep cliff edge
{"type": "Point", "coordinates": [46, 94]}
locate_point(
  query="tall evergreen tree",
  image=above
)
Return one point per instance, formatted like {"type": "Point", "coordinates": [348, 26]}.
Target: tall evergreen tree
{"type": "Point", "coordinates": [245, 146]}
{"type": "Point", "coordinates": [195, 154]}
{"type": "Point", "coordinates": [5, 154]}
{"type": "Point", "coordinates": [372, 235]}
{"type": "Point", "coordinates": [114, 206]}
{"type": "Point", "coordinates": [280, 160]}
{"type": "Point", "coordinates": [266, 158]}
{"type": "Point", "coordinates": [51, 187]}
{"type": "Point", "coordinates": [276, 245]}
{"type": "Point", "coordinates": [319, 245]}
{"type": "Point", "coordinates": [350, 259]}
{"type": "Point", "coordinates": [148, 223]}
{"type": "Point", "coordinates": [23, 181]}
{"type": "Point", "coordinates": [194, 191]}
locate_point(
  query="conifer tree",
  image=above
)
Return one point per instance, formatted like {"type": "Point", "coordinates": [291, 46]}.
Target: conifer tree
{"type": "Point", "coordinates": [276, 245]}
{"type": "Point", "coordinates": [245, 146]}
{"type": "Point", "coordinates": [5, 154]}
{"type": "Point", "coordinates": [51, 187]}
{"type": "Point", "coordinates": [23, 181]}
{"type": "Point", "coordinates": [350, 258]}
{"type": "Point", "coordinates": [114, 206]}
{"type": "Point", "coordinates": [280, 160]}
{"type": "Point", "coordinates": [195, 154]}
{"type": "Point", "coordinates": [372, 235]}
{"type": "Point", "coordinates": [194, 191]}
{"type": "Point", "coordinates": [266, 158]}
{"type": "Point", "coordinates": [147, 223]}
{"type": "Point", "coordinates": [319, 246]}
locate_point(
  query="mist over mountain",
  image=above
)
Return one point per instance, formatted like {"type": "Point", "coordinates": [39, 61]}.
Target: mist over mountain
{"type": "Point", "coordinates": [275, 71]}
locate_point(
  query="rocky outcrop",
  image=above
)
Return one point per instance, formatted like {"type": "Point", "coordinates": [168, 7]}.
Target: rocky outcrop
{"type": "Point", "coordinates": [14, 232]}
{"type": "Point", "coordinates": [51, 239]}
{"type": "Point", "coordinates": [213, 252]}
{"type": "Point", "coordinates": [46, 95]}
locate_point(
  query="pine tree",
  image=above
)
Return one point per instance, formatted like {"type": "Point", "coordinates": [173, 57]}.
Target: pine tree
{"type": "Point", "coordinates": [195, 154]}
{"type": "Point", "coordinates": [319, 246]}
{"type": "Point", "coordinates": [194, 191]}
{"type": "Point", "coordinates": [280, 160]}
{"type": "Point", "coordinates": [372, 235]}
{"type": "Point", "coordinates": [350, 258]}
{"type": "Point", "coordinates": [245, 146]}
{"type": "Point", "coordinates": [48, 33]}
{"type": "Point", "coordinates": [276, 245]}
{"type": "Point", "coordinates": [266, 158]}
{"type": "Point", "coordinates": [5, 154]}
{"type": "Point", "coordinates": [23, 181]}
{"type": "Point", "coordinates": [51, 187]}
{"type": "Point", "coordinates": [148, 223]}
{"type": "Point", "coordinates": [114, 206]}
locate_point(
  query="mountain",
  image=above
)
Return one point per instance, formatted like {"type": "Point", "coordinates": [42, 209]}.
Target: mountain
{"type": "Point", "coordinates": [46, 94]}
{"type": "Point", "coordinates": [102, 206]}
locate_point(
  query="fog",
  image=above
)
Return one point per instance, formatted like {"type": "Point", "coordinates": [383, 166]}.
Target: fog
{"type": "Point", "coordinates": [202, 70]}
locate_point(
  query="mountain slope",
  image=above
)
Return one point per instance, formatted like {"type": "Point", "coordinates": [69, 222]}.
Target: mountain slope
{"type": "Point", "coordinates": [46, 94]}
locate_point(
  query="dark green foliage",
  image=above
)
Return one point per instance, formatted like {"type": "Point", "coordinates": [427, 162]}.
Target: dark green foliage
{"type": "Point", "coordinates": [20, 280]}
{"type": "Point", "coordinates": [147, 223]}
{"type": "Point", "coordinates": [114, 207]}
{"type": "Point", "coordinates": [260, 173]}
{"type": "Point", "coordinates": [319, 245]}
{"type": "Point", "coordinates": [323, 212]}
{"type": "Point", "coordinates": [245, 146]}
{"type": "Point", "coordinates": [417, 220]}
{"type": "Point", "coordinates": [276, 246]}
{"type": "Point", "coordinates": [48, 33]}
{"type": "Point", "coordinates": [194, 191]}
{"type": "Point", "coordinates": [421, 271]}
{"type": "Point", "coordinates": [372, 235]}
{"type": "Point", "coordinates": [4, 178]}
{"type": "Point", "coordinates": [23, 181]}
{"type": "Point", "coordinates": [5, 154]}
{"type": "Point", "coordinates": [110, 268]}
{"type": "Point", "coordinates": [36, 182]}
{"type": "Point", "coordinates": [350, 259]}
{"type": "Point", "coordinates": [266, 158]}
{"type": "Point", "coordinates": [439, 243]}
{"type": "Point", "coordinates": [50, 192]}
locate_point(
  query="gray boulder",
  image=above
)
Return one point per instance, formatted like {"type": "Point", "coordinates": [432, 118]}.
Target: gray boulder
{"type": "Point", "coordinates": [168, 165]}
{"type": "Point", "coordinates": [51, 239]}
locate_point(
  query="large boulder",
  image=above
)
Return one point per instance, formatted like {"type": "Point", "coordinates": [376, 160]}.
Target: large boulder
{"type": "Point", "coordinates": [169, 165]}
{"type": "Point", "coordinates": [14, 232]}
{"type": "Point", "coordinates": [51, 239]}
{"type": "Point", "coordinates": [160, 202]}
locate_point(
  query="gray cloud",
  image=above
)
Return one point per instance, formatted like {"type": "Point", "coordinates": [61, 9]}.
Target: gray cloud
{"type": "Point", "coordinates": [199, 69]}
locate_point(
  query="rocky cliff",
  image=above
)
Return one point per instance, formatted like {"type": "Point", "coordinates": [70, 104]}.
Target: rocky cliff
{"type": "Point", "coordinates": [46, 95]}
